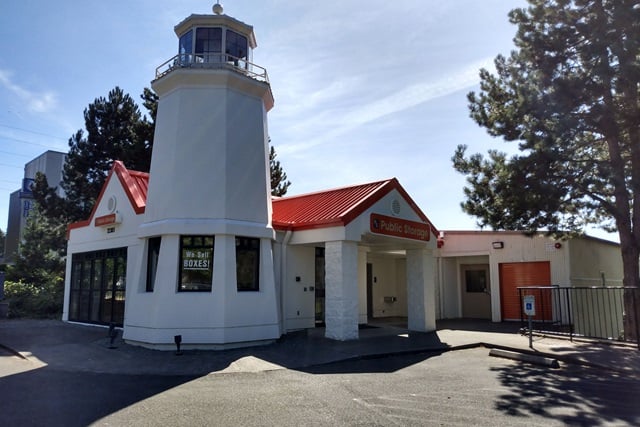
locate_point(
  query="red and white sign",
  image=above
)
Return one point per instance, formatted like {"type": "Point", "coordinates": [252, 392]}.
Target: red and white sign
{"type": "Point", "coordinates": [110, 219]}
{"type": "Point", "coordinates": [390, 226]}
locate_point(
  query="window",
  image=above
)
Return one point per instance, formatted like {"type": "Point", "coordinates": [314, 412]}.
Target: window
{"type": "Point", "coordinates": [476, 280]}
{"type": "Point", "coordinates": [196, 263]}
{"type": "Point", "coordinates": [236, 45]}
{"type": "Point", "coordinates": [153, 253]}
{"type": "Point", "coordinates": [248, 264]}
{"type": "Point", "coordinates": [186, 47]}
{"type": "Point", "coordinates": [209, 43]}
{"type": "Point", "coordinates": [98, 286]}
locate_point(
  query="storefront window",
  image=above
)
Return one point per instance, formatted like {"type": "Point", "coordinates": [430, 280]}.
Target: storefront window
{"type": "Point", "coordinates": [196, 263]}
{"type": "Point", "coordinates": [248, 263]}
{"type": "Point", "coordinates": [98, 286]}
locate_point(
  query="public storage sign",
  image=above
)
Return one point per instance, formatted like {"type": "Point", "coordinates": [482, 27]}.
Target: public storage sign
{"type": "Point", "coordinates": [390, 226]}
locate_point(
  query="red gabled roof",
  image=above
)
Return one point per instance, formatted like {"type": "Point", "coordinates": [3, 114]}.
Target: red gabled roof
{"type": "Point", "coordinates": [135, 185]}
{"type": "Point", "coordinates": [329, 208]}
{"type": "Point", "coordinates": [336, 207]}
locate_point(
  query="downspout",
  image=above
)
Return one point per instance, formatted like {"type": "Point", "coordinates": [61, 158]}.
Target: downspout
{"type": "Point", "coordinates": [283, 281]}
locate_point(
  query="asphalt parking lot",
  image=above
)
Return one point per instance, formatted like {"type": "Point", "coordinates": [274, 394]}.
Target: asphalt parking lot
{"type": "Point", "coordinates": [464, 387]}
{"type": "Point", "coordinates": [53, 373]}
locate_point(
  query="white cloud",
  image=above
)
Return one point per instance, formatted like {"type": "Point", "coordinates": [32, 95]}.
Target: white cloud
{"type": "Point", "coordinates": [338, 121]}
{"type": "Point", "coordinates": [35, 102]}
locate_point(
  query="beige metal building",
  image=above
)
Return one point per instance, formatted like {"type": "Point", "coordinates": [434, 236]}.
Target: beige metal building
{"type": "Point", "coordinates": [480, 271]}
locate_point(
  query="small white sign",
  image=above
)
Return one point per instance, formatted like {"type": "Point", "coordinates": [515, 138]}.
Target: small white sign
{"type": "Point", "coordinates": [530, 305]}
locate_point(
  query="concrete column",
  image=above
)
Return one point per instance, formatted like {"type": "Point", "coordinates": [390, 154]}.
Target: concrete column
{"type": "Point", "coordinates": [341, 290]}
{"type": "Point", "coordinates": [421, 290]}
{"type": "Point", "coordinates": [362, 284]}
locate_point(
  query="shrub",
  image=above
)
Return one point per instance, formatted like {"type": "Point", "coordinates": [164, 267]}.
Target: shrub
{"type": "Point", "coordinates": [28, 300]}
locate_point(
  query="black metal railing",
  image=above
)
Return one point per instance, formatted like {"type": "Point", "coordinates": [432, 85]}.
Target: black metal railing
{"type": "Point", "coordinates": [589, 312]}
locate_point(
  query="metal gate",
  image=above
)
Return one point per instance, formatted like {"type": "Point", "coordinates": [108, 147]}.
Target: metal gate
{"type": "Point", "coordinates": [593, 312]}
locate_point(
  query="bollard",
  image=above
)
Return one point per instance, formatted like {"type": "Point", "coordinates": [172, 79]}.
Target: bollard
{"type": "Point", "coordinates": [178, 339]}
{"type": "Point", "coordinates": [113, 333]}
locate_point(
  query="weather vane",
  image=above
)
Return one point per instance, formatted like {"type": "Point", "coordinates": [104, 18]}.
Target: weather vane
{"type": "Point", "coordinates": [217, 8]}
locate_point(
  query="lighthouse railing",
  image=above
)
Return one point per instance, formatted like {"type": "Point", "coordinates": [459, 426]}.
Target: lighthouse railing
{"type": "Point", "coordinates": [213, 61]}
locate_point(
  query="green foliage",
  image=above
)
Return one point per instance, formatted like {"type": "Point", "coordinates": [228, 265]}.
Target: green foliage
{"type": "Point", "coordinates": [41, 255]}
{"type": "Point", "coordinates": [279, 182]}
{"type": "Point", "coordinates": [34, 285]}
{"type": "Point", "coordinates": [29, 300]}
{"type": "Point", "coordinates": [115, 130]}
{"type": "Point", "coordinates": [2, 240]}
{"type": "Point", "coordinates": [569, 95]}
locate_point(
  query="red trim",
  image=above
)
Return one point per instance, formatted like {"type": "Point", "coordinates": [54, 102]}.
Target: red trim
{"type": "Point", "coordinates": [357, 208]}
{"type": "Point", "coordinates": [323, 209]}
{"type": "Point", "coordinates": [132, 183]}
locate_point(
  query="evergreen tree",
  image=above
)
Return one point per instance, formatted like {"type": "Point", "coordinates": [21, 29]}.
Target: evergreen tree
{"type": "Point", "coordinates": [40, 258]}
{"type": "Point", "coordinates": [569, 95]}
{"type": "Point", "coordinates": [2, 238]}
{"type": "Point", "coordinates": [279, 182]}
{"type": "Point", "coordinates": [115, 130]}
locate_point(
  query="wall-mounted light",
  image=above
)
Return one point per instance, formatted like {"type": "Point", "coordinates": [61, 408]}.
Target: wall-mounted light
{"type": "Point", "coordinates": [497, 245]}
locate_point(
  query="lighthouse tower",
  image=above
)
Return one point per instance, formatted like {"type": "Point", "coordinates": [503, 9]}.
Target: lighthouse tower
{"type": "Point", "coordinates": [208, 212]}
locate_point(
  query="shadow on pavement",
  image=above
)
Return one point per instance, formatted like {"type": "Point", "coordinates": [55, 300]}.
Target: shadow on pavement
{"type": "Point", "coordinates": [46, 396]}
{"type": "Point", "coordinates": [67, 374]}
{"type": "Point", "coordinates": [588, 397]}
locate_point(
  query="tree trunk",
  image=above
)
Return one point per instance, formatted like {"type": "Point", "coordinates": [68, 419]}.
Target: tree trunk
{"type": "Point", "coordinates": [631, 277]}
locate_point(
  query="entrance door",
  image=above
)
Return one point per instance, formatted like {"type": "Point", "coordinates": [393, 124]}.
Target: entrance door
{"type": "Point", "coordinates": [98, 286]}
{"type": "Point", "coordinates": [476, 296]}
{"type": "Point", "coordinates": [319, 288]}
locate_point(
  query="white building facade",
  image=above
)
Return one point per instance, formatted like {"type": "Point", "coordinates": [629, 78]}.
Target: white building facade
{"type": "Point", "coordinates": [198, 248]}
{"type": "Point", "coordinates": [479, 271]}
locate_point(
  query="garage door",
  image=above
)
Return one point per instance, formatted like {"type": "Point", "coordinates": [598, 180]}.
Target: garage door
{"type": "Point", "coordinates": [517, 274]}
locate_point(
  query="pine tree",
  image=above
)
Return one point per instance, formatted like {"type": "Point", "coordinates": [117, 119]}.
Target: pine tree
{"type": "Point", "coordinates": [279, 182]}
{"type": "Point", "coordinates": [569, 95]}
{"type": "Point", "coordinates": [2, 238]}
{"type": "Point", "coordinates": [40, 259]}
{"type": "Point", "coordinates": [115, 130]}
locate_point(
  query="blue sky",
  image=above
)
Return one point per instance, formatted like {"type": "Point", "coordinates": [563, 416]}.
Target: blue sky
{"type": "Point", "coordinates": [364, 90]}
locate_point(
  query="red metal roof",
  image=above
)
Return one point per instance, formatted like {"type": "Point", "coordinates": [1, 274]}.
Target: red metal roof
{"type": "Point", "coordinates": [135, 185]}
{"type": "Point", "coordinates": [337, 207]}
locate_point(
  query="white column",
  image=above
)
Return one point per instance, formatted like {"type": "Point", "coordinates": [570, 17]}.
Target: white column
{"type": "Point", "coordinates": [421, 290]}
{"type": "Point", "coordinates": [341, 290]}
{"type": "Point", "coordinates": [362, 284]}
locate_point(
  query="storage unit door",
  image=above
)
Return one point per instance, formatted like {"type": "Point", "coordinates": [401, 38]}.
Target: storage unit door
{"type": "Point", "coordinates": [517, 274]}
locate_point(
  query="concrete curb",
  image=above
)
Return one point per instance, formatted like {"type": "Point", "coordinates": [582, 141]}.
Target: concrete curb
{"type": "Point", "coordinates": [523, 357]}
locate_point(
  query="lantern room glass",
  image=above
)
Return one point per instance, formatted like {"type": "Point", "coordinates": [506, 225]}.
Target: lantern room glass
{"type": "Point", "coordinates": [207, 45]}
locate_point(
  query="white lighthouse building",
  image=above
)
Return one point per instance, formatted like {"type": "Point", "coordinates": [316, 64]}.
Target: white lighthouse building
{"type": "Point", "coordinates": [198, 248]}
{"type": "Point", "coordinates": [211, 150]}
